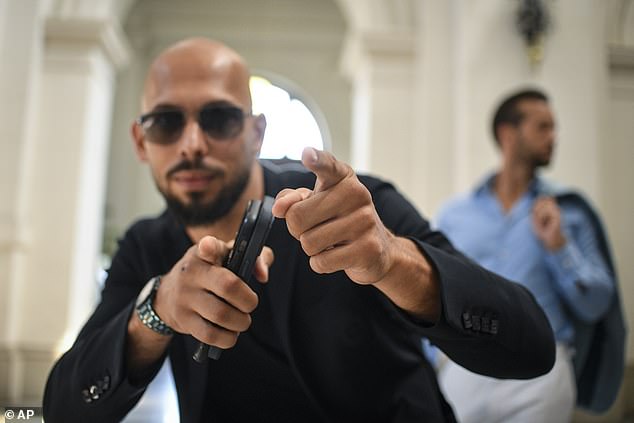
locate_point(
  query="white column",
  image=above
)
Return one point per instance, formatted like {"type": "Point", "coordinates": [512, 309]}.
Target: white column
{"type": "Point", "coordinates": [21, 52]}
{"type": "Point", "coordinates": [380, 65]}
{"type": "Point", "coordinates": [575, 73]}
{"type": "Point", "coordinates": [62, 196]}
{"type": "Point", "coordinates": [438, 122]}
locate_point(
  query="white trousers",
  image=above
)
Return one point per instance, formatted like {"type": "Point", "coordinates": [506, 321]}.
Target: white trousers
{"type": "Point", "coordinates": [480, 399]}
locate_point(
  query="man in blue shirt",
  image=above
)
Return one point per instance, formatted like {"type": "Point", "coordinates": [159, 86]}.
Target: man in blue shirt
{"type": "Point", "coordinates": [523, 228]}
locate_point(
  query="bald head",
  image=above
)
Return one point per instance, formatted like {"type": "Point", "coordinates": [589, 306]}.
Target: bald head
{"type": "Point", "coordinates": [197, 67]}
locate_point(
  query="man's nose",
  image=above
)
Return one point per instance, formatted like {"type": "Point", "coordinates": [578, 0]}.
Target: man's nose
{"type": "Point", "coordinates": [552, 136]}
{"type": "Point", "coordinates": [194, 141]}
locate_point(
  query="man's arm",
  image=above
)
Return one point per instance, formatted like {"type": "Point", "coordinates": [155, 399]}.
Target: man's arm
{"type": "Point", "coordinates": [339, 229]}
{"type": "Point", "coordinates": [89, 382]}
{"type": "Point", "coordinates": [145, 348]}
{"type": "Point", "coordinates": [411, 282]}
{"type": "Point", "coordinates": [115, 356]}
{"type": "Point", "coordinates": [581, 274]}
{"type": "Point", "coordinates": [488, 324]}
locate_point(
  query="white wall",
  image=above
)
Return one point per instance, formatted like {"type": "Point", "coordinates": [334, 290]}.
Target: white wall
{"type": "Point", "coordinates": [57, 84]}
{"type": "Point", "coordinates": [471, 56]}
{"type": "Point", "coordinates": [617, 174]}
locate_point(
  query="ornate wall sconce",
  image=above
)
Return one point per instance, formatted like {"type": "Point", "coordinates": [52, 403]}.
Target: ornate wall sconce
{"type": "Point", "coordinates": [533, 23]}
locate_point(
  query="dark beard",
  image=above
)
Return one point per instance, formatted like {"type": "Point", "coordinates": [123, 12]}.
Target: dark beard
{"type": "Point", "coordinates": [539, 162]}
{"type": "Point", "coordinates": [198, 213]}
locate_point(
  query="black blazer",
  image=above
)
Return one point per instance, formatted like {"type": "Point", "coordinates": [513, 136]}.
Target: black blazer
{"type": "Point", "coordinates": [356, 355]}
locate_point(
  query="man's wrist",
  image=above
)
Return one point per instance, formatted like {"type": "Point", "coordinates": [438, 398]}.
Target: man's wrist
{"type": "Point", "coordinates": [145, 308]}
{"type": "Point", "coordinates": [412, 283]}
{"type": "Point", "coordinates": [556, 244]}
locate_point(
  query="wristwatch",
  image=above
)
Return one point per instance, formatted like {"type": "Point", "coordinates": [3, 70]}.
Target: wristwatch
{"type": "Point", "coordinates": [146, 312]}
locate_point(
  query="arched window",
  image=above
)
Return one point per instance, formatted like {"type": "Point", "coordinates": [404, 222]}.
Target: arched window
{"type": "Point", "coordinates": [290, 125]}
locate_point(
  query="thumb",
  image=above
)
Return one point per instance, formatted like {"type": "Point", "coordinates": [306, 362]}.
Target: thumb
{"type": "Point", "coordinates": [326, 167]}
{"type": "Point", "coordinates": [212, 250]}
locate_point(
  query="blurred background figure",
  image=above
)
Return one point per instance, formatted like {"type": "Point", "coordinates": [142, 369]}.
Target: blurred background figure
{"type": "Point", "coordinates": [550, 239]}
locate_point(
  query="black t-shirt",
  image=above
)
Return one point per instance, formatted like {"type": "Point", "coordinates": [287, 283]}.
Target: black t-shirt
{"type": "Point", "coordinates": [253, 380]}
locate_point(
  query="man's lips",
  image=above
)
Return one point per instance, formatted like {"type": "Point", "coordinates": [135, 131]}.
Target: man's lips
{"type": "Point", "coordinates": [193, 180]}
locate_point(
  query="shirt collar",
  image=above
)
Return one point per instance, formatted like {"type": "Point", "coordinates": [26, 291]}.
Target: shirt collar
{"type": "Point", "coordinates": [485, 186]}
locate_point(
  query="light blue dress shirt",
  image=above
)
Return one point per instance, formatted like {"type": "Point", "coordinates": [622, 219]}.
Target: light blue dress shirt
{"type": "Point", "coordinates": [573, 279]}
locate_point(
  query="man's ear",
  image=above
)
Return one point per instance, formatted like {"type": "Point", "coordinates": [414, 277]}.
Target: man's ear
{"type": "Point", "coordinates": [507, 133]}
{"type": "Point", "coordinates": [138, 139]}
{"type": "Point", "coordinates": [259, 127]}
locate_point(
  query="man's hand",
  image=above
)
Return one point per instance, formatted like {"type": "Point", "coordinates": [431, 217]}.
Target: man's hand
{"type": "Point", "coordinates": [198, 297]}
{"type": "Point", "coordinates": [547, 223]}
{"type": "Point", "coordinates": [339, 229]}
{"type": "Point", "coordinates": [202, 298]}
{"type": "Point", "coordinates": [336, 222]}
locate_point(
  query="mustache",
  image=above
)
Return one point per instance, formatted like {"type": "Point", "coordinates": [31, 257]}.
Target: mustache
{"type": "Point", "coordinates": [193, 165]}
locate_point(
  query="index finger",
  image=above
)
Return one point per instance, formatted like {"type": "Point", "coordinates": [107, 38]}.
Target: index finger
{"type": "Point", "coordinates": [326, 167]}
{"type": "Point", "coordinates": [262, 264]}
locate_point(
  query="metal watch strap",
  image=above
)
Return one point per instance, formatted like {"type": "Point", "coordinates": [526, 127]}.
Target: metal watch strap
{"type": "Point", "coordinates": [148, 316]}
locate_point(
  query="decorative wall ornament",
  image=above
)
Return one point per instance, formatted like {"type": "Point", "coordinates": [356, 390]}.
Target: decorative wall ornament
{"type": "Point", "coordinates": [533, 22]}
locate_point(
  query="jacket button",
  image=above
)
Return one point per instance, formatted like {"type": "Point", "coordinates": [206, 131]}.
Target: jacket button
{"type": "Point", "coordinates": [486, 324]}
{"type": "Point", "coordinates": [466, 320]}
{"type": "Point", "coordinates": [494, 326]}
{"type": "Point", "coordinates": [95, 392]}
{"type": "Point", "coordinates": [104, 384]}
{"type": "Point", "coordinates": [86, 395]}
{"type": "Point", "coordinates": [476, 323]}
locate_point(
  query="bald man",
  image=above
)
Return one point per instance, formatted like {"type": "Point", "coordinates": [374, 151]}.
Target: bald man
{"type": "Point", "coordinates": [329, 330]}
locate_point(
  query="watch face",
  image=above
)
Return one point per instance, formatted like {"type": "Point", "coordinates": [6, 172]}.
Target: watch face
{"type": "Point", "coordinates": [145, 292]}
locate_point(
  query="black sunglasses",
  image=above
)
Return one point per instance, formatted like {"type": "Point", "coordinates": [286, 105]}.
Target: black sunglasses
{"type": "Point", "coordinates": [218, 121]}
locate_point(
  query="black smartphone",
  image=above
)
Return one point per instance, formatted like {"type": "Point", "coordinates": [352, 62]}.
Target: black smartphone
{"type": "Point", "coordinates": [254, 228]}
